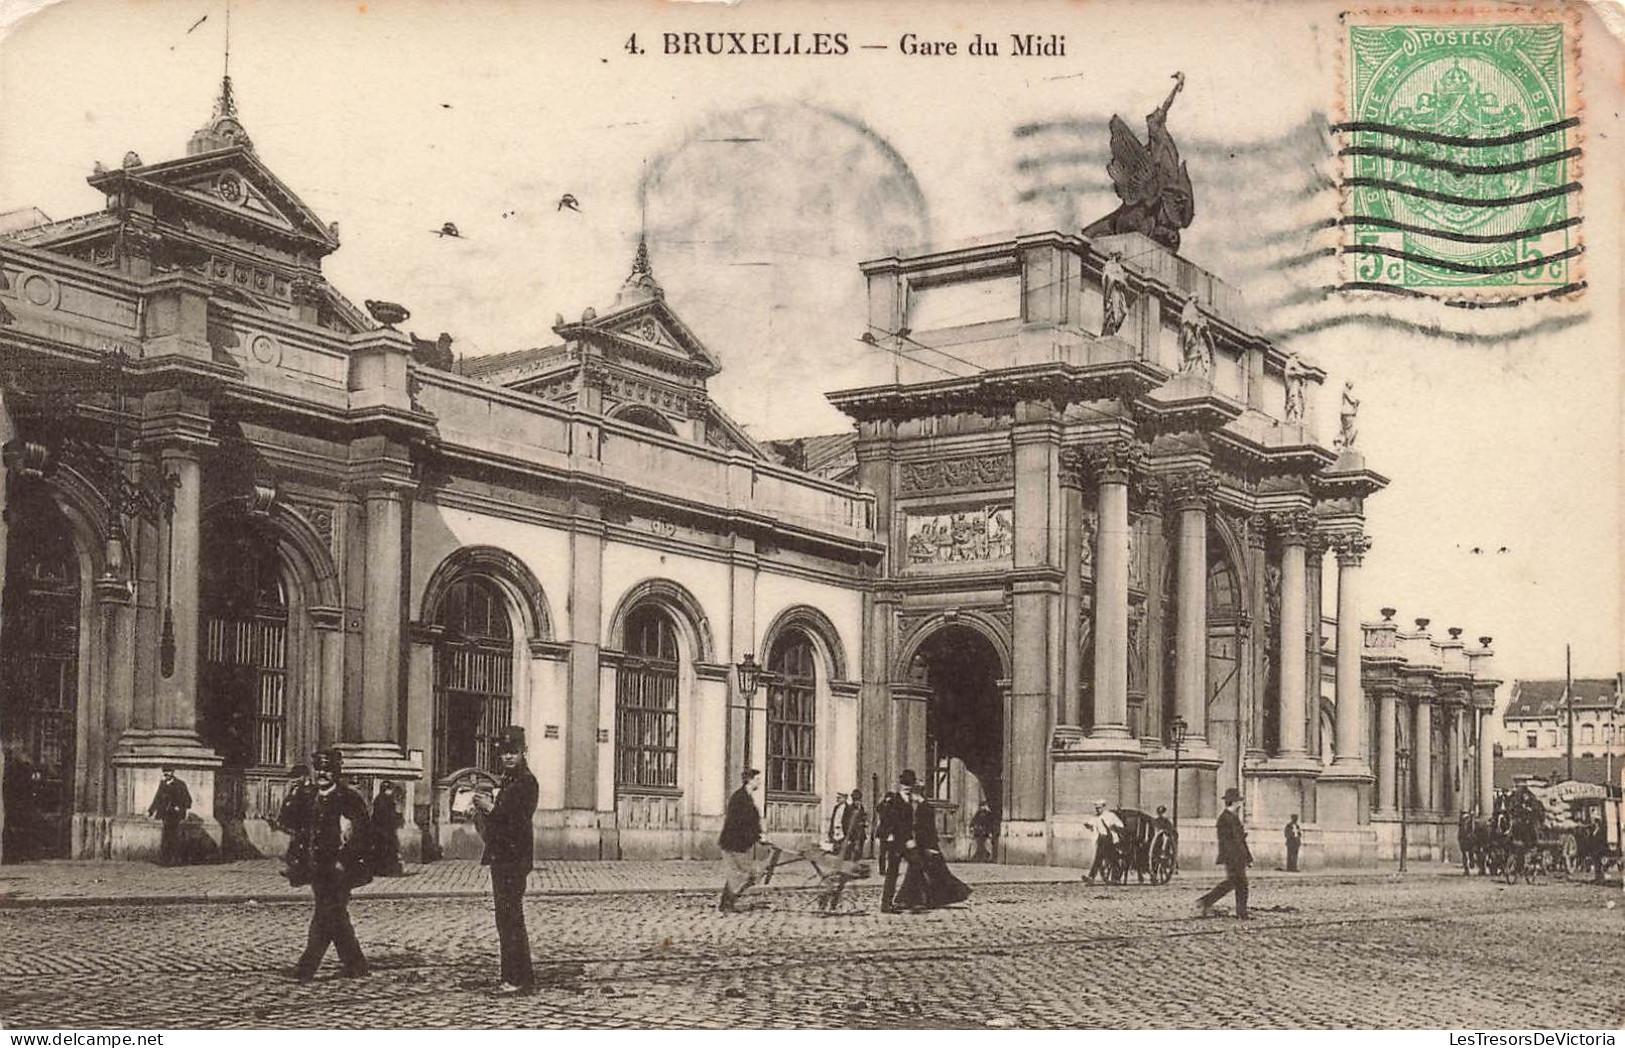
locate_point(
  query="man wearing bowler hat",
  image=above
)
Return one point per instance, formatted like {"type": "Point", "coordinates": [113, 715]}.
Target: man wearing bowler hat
{"type": "Point", "coordinates": [330, 832]}
{"type": "Point", "coordinates": [894, 828]}
{"type": "Point", "coordinates": [510, 851]}
{"type": "Point", "coordinates": [1233, 855]}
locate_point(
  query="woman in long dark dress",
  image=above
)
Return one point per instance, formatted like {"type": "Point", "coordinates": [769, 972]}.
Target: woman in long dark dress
{"type": "Point", "coordinates": [929, 884]}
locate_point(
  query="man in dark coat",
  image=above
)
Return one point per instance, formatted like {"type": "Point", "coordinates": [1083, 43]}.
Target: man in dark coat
{"type": "Point", "coordinates": [170, 805]}
{"type": "Point", "coordinates": [330, 832]}
{"type": "Point", "coordinates": [893, 829]}
{"type": "Point", "coordinates": [1294, 841]}
{"type": "Point", "coordinates": [856, 828]}
{"type": "Point", "coordinates": [510, 851]}
{"type": "Point", "coordinates": [1233, 855]}
{"type": "Point", "coordinates": [741, 831]}
{"type": "Point", "coordinates": [386, 821]}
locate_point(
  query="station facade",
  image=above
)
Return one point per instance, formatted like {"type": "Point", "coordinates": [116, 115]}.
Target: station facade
{"type": "Point", "coordinates": [243, 520]}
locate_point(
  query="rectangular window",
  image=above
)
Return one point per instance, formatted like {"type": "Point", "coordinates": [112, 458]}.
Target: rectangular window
{"type": "Point", "coordinates": [472, 705]}
{"type": "Point", "coordinates": [646, 724]}
{"type": "Point", "coordinates": [791, 733]}
{"type": "Point", "coordinates": [1551, 738]}
{"type": "Point", "coordinates": [1531, 741]}
{"type": "Point", "coordinates": [1588, 734]}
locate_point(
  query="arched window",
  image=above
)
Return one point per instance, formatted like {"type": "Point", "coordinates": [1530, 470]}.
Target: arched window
{"type": "Point", "coordinates": [244, 671]}
{"type": "Point", "coordinates": [648, 418]}
{"type": "Point", "coordinates": [473, 695]}
{"type": "Point", "coordinates": [792, 721]}
{"type": "Point", "coordinates": [646, 702]}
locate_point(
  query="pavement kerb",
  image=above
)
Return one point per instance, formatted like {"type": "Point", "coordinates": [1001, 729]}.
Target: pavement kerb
{"type": "Point", "coordinates": [1195, 880]}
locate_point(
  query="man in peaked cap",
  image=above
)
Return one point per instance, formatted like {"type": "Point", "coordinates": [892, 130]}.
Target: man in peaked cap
{"type": "Point", "coordinates": [331, 833]}
{"type": "Point", "coordinates": [510, 852]}
{"type": "Point", "coordinates": [1234, 855]}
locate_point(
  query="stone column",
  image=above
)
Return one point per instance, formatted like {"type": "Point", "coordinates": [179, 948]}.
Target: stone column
{"type": "Point", "coordinates": [1351, 719]}
{"type": "Point", "coordinates": [1294, 529]}
{"type": "Point", "coordinates": [180, 548]}
{"type": "Point", "coordinates": [1257, 679]}
{"type": "Point", "coordinates": [1113, 470]}
{"type": "Point", "coordinates": [1071, 593]}
{"type": "Point", "coordinates": [1190, 493]}
{"type": "Point", "coordinates": [381, 638]}
{"type": "Point", "coordinates": [1386, 720]}
{"type": "Point", "coordinates": [1105, 763]}
{"type": "Point", "coordinates": [1486, 764]}
{"type": "Point", "coordinates": [177, 425]}
{"type": "Point", "coordinates": [1035, 599]}
{"type": "Point", "coordinates": [581, 837]}
{"type": "Point", "coordinates": [1422, 754]}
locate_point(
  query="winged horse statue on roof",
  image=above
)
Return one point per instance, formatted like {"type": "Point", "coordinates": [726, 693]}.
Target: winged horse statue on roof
{"type": "Point", "coordinates": [1152, 181]}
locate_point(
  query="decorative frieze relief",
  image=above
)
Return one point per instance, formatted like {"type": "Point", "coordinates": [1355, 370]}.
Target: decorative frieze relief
{"type": "Point", "coordinates": [978, 471]}
{"type": "Point", "coordinates": [986, 533]}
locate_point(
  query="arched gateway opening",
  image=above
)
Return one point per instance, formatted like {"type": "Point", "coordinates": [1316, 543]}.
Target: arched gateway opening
{"type": "Point", "coordinates": [964, 724]}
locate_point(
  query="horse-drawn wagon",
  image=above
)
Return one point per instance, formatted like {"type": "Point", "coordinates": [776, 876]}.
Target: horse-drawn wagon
{"type": "Point", "coordinates": [1147, 848]}
{"type": "Point", "coordinates": [1537, 829]}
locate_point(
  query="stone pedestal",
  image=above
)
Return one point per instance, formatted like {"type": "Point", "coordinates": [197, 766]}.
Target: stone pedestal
{"type": "Point", "coordinates": [138, 760]}
{"type": "Point", "coordinates": [1343, 799]}
{"type": "Point", "coordinates": [1280, 787]}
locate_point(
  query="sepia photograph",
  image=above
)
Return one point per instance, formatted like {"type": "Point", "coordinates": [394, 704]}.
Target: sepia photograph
{"type": "Point", "coordinates": [933, 515]}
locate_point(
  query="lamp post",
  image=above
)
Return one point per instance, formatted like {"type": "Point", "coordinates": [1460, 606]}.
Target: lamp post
{"type": "Point", "coordinates": [1402, 758]}
{"type": "Point", "coordinates": [749, 676]}
{"type": "Point", "coordinates": [1177, 731]}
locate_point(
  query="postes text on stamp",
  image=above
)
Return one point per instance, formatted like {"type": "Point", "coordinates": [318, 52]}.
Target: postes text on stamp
{"type": "Point", "coordinates": [1460, 151]}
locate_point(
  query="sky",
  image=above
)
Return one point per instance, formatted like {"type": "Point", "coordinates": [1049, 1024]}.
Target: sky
{"type": "Point", "coordinates": [761, 182]}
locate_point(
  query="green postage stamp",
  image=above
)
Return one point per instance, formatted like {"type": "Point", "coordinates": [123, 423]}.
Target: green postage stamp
{"type": "Point", "coordinates": [1461, 151]}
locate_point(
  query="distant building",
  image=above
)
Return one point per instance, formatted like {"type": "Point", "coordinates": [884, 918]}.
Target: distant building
{"type": "Point", "coordinates": [1534, 730]}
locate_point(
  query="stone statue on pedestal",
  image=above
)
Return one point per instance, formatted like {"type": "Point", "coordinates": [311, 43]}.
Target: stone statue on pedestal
{"type": "Point", "coordinates": [1296, 375]}
{"type": "Point", "coordinates": [1348, 414]}
{"type": "Point", "coordinates": [1151, 180]}
{"type": "Point", "coordinates": [1195, 341]}
{"type": "Point", "coordinates": [1114, 287]}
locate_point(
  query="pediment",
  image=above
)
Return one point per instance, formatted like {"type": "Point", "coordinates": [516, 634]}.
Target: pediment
{"type": "Point", "coordinates": [233, 185]}
{"type": "Point", "coordinates": [649, 331]}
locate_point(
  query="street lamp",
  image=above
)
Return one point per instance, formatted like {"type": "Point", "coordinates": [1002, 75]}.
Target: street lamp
{"type": "Point", "coordinates": [1177, 731]}
{"type": "Point", "coordinates": [750, 675]}
{"type": "Point", "coordinates": [1402, 757]}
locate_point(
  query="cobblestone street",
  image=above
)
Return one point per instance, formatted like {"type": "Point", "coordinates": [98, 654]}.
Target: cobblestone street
{"type": "Point", "coordinates": [1329, 950]}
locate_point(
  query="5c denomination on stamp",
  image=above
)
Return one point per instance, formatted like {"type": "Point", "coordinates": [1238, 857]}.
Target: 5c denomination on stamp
{"type": "Point", "coordinates": [1461, 153]}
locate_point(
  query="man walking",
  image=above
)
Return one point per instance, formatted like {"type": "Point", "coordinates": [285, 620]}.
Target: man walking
{"type": "Point", "coordinates": [170, 805]}
{"type": "Point", "coordinates": [1108, 838]}
{"type": "Point", "coordinates": [1233, 856]}
{"type": "Point", "coordinates": [332, 835]}
{"type": "Point", "coordinates": [1294, 841]}
{"type": "Point", "coordinates": [510, 853]}
{"type": "Point", "coordinates": [894, 826]}
{"type": "Point", "coordinates": [741, 831]}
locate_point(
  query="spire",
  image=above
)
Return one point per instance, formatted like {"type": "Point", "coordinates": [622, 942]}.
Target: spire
{"type": "Point", "coordinates": [224, 129]}
{"type": "Point", "coordinates": [640, 283]}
